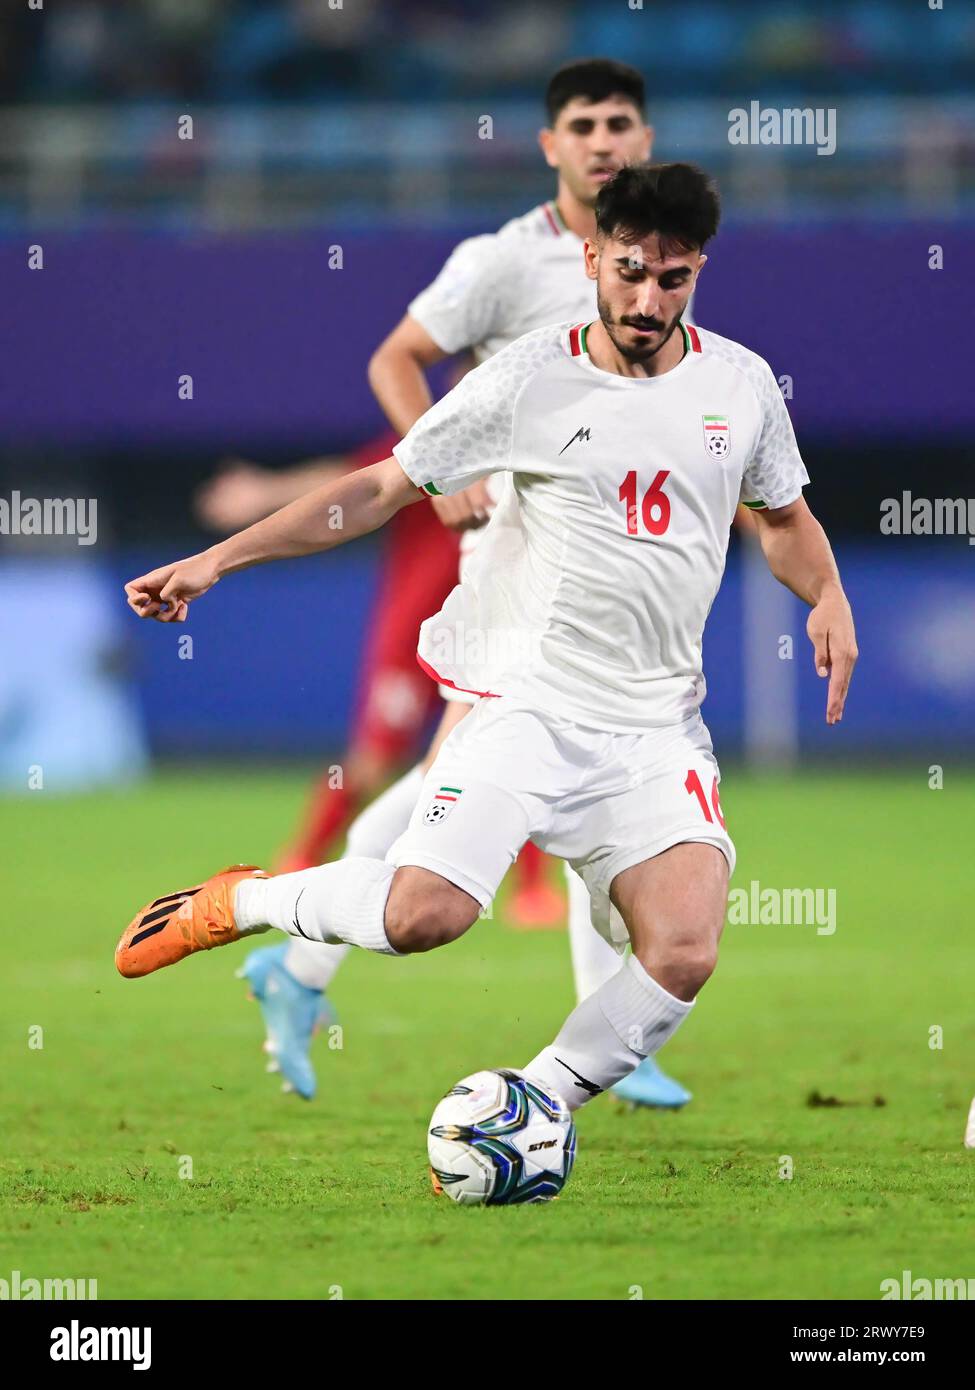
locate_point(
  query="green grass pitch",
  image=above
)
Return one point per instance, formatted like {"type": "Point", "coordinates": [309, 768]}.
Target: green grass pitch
{"type": "Point", "coordinates": [331, 1198]}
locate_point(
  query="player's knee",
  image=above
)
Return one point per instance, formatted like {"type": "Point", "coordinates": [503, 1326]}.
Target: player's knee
{"type": "Point", "coordinates": [681, 967]}
{"type": "Point", "coordinates": [423, 926]}
{"type": "Point", "coordinates": [425, 912]}
{"type": "Point", "coordinates": [693, 968]}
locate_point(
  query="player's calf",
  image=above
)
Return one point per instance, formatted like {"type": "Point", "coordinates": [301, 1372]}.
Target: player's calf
{"type": "Point", "coordinates": [673, 906]}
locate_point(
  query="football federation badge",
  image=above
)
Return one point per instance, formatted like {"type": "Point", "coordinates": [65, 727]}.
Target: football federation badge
{"type": "Point", "coordinates": [717, 436]}
{"type": "Point", "coordinates": [441, 805]}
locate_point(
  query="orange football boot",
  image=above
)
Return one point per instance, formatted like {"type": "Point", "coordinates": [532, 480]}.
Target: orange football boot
{"type": "Point", "coordinates": [177, 924]}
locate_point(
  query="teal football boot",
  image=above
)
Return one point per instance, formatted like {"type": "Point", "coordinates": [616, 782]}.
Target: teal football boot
{"type": "Point", "coordinates": [293, 1013]}
{"type": "Point", "coordinates": [648, 1085]}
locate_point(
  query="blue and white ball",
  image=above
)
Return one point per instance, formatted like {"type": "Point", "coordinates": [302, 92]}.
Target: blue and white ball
{"type": "Point", "coordinates": [497, 1138]}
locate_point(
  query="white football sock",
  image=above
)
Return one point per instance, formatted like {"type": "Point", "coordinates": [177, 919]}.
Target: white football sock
{"type": "Point", "coordinates": [607, 1035]}
{"type": "Point", "coordinates": [344, 901]}
{"type": "Point", "coordinates": [314, 963]}
{"type": "Point", "coordinates": [376, 829]}
{"type": "Point", "coordinates": [370, 836]}
{"type": "Point", "coordinates": [593, 959]}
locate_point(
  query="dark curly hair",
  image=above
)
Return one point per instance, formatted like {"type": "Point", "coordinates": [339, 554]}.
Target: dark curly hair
{"type": "Point", "coordinates": [677, 201]}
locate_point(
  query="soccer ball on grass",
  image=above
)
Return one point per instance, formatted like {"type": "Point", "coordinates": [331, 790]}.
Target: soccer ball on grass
{"type": "Point", "coordinates": [498, 1138]}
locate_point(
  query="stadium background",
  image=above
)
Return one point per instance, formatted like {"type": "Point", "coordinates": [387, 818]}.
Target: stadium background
{"type": "Point", "coordinates": [358, 127]}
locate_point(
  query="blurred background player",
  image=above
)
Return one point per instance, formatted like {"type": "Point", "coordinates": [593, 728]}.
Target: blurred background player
{"type": "Point", "coordinates": [395, 704]}
{"type": "Point", "coordinates": [493, 289]}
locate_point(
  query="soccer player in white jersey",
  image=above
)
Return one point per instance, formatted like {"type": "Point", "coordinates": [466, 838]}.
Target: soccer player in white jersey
{"type": "Point", "coordinates": [628, 442]}
{"type": "Point", "coordinates": [492, 289]}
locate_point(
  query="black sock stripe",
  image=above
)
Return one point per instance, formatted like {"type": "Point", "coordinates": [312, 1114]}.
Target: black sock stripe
{"type": "Point", "coordinates": [581, 1081]}
{"type": "Point", "coordinates": [297, 923]}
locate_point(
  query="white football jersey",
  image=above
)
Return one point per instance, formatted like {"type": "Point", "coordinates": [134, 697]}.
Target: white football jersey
{"type": "Point", "coordinates": [589, 593]}
{"type": "Point", "coordinates": [497, 287]}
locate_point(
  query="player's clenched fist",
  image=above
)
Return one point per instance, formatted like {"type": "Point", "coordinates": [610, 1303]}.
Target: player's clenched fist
{"type": "Point", "coordinates": [466, 510]}
{"type": "Point", "coordinates": [165, 593]}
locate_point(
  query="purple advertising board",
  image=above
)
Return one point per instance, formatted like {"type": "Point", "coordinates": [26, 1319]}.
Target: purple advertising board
{"type": "Point", "coordinates": [276, 342]}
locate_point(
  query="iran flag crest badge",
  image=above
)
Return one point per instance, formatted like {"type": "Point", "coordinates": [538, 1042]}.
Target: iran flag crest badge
{"type": "Point", "coordinates": [441, 805]}
{"type": "Point", "coordinates": [717, 436]}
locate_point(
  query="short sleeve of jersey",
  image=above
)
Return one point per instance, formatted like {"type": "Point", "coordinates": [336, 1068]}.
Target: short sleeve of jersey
{"type": "Point", "coordinates": [462, 307]}
{"type": "Point", "coordinates": [775, 474]}
{"type": "Point", "coordinates": [469, 433]}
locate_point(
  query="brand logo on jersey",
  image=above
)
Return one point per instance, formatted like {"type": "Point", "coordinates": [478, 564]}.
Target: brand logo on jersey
{"type": "Point", "coordinates": [579, 434]}
{"type": "Point", "coordinates": [441, 805]}
{"type": "Point", "coordinates": [717, 435]}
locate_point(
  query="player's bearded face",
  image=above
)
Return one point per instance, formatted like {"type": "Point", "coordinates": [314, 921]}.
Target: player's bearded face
{"type": "Point", "coordinates": [642, 289]}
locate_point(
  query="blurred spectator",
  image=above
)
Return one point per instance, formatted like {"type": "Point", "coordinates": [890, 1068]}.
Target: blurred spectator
{"type": "Point", "coordinates": [295, 49]}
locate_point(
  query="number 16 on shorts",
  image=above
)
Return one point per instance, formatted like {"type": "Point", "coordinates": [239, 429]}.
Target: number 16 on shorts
{"type": "Point", "coordinates": [694, 787]}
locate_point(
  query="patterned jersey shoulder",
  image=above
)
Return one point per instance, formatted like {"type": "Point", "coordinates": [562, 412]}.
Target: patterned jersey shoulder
{"type": "Point", "coordinates": [469, 432]}
{"type": "Point", "coordinates": [489, 393]}
{"type": "Point", "coordinates": [515, 364]}
{"type": "Point", "coordinates": [775, 474]}
{"type": "Point", "coordinates": [750, 365]}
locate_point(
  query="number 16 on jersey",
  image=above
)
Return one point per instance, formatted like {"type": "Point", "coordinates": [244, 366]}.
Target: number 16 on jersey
{"type": "Point", "coordinates": [654, 508]}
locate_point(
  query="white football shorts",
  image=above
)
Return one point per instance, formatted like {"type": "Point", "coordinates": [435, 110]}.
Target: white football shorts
{"type": "Point", "coordinates": [603, 801]}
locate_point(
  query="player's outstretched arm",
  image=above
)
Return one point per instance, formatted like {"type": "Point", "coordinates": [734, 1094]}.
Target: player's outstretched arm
{"type": "Point", "coordinates": [328, 516]}
{"type": "Point", "coordinates": [242, 492]}
{"type": "Point", "coordinates": [800, 557]}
